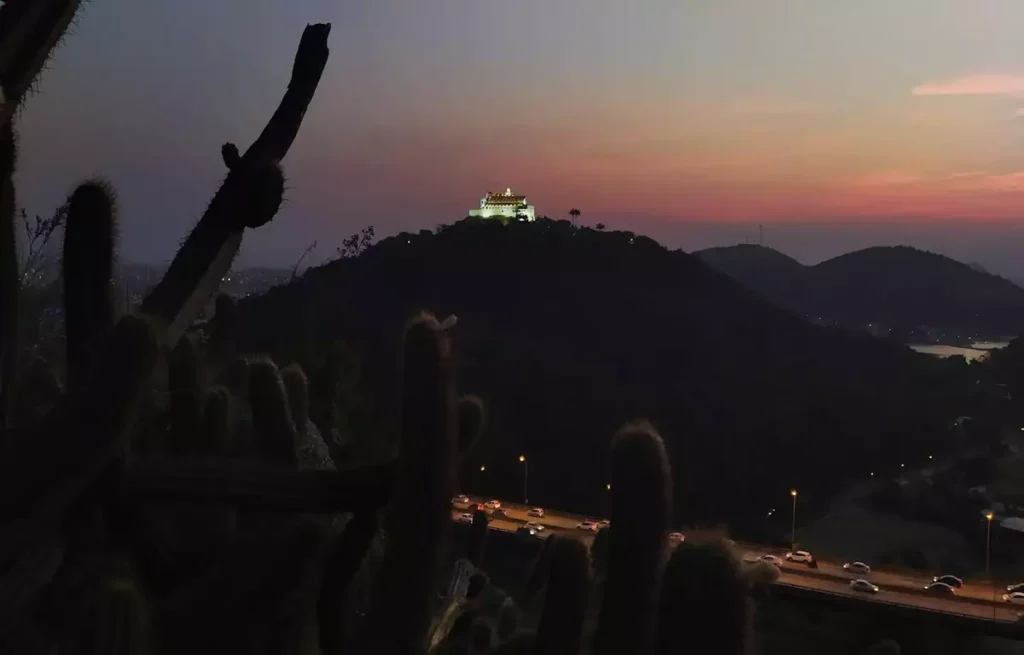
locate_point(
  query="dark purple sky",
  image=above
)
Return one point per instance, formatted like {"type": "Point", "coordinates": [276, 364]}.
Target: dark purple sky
{"type": "Point", "coordinates": [870, 123]}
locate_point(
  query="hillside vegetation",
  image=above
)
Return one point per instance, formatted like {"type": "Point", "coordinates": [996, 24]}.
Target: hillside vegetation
{"type": "Point", "coordinates": [568, 332]}
{"type": "Point", "coordinates": [901, 288]}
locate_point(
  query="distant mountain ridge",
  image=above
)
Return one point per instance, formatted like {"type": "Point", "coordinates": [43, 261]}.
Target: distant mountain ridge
{"type": "Point", "coordinates": [904, 289]}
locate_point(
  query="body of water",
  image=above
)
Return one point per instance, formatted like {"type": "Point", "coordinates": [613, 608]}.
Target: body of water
{"type": "Point", "coordinates": [976, 350]}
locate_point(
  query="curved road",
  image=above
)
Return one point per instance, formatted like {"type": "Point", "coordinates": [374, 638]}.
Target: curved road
{"type": "Point", "coordinates": [974, 599]}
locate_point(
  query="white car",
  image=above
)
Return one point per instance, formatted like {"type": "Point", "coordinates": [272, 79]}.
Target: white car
{"type": "Point", "coordinates": [536, 527]}
{"type": "Point", "coordinates": [536, 512]}
{"type": "Point", "coordinates": [604, 523]}
{"type": "Point", "coordinates": [588, 526]}
{"type": "Point", "coordinates": [676, 537]}
{"type": "Point", "coordinates": [860, 568]}
{"type": "Point", "coordinates": [863, 585]}
{"type": "Point", "coordinates": [799, 556]}
{"type": "Point", "coordinates": [770, 559]}
{"type": "Point", "coordinates": [493, 504]}
{"type": "Point", "coordinates": [1016, 597]}
{"type": "Point", "coordinates": [465, 518]}
{"type": "Point", "coordinates": [460, 500]}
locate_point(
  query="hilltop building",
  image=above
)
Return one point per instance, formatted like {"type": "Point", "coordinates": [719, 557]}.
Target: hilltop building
{"type": "Point", "coordinates": [504, 204]}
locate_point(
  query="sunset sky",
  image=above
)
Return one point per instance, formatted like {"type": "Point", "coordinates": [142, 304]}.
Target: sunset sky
{"type": "Point", "coordinates": [837, 124]}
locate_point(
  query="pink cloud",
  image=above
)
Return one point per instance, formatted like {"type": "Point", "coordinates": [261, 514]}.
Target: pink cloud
{"type": "Point", "coordinates": [989, 84]}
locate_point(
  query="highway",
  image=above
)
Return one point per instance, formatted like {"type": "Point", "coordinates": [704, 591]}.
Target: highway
{"type": "Point", "coordinates": [974, 599]}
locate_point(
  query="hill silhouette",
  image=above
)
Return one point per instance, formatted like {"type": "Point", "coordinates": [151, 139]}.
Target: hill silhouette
{"type": "Point", "coordinates": [566, 333]}
{"type": "Point", "coordinates": [900, 287]}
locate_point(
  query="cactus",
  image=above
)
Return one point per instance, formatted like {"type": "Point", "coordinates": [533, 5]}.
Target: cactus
{"type": "Point", "coordinates": [29, 32]}
{"type": "Point", "coordinates": [184, 382]}
{"type": "Point", "coordinates": [481, 635]}
{"type": "Point", "coordinates": [477, 583]}
{"type": "Point", "coordinates": [641, 506]}
{"type": "Point", "coordinates": [342, 564]}
{"type": "Point", "coordinates": [221, 340]}
{"type": "Point", "coordinates": [218, 422]}
{"type": "Point", "coordinates": [472, 421]}
{"type": "Point", "coordinates": [249, 197]}
{"type": "Point", "coordinates": [704, 598]}
{"type": "Point", "coordinates": [104, 610]}
{"type": "Point", "coordinates": [272, 422]}
{"type": "Point", "coordinates": [539, 569]}
{"type": "Point", "coordinates": [90, 236]}
{"type": "Point", "coordinates": [397, 615]}
{"type": "Point", "coordinates": [560, 630]}
{"type": "Point", "coordinates": [9, 280]}
{"type": "Point", "coordinates": [297, 388]}
{"type": "Point", "coordinates": [478, 537]}
{"type": "Point", "coordinates": [509, 617]}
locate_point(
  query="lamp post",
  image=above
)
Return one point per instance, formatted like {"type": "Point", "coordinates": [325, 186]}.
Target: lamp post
{"type": "Point", "coordinates": [988, 558]}
{"type": "Point", "coordinates": [792, 539]}
{"type": "Point", "coordinates": [526, 479]}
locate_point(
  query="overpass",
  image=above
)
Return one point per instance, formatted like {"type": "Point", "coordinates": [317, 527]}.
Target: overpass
{"type": "Point", "coordinates": [977, 606]}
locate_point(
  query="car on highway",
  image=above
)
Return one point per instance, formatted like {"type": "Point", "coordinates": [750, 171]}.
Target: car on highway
{"type": "Point", "coordinates": [940, 588]}
{"type": "Point", "coordinates": [498, 514]}
{"type": "Point", "coordinates": [861, 584]}
{"type": "Point", "coordinates": [536, 512]}
{"type": "Point", "coordinates": [587, 526]}
{"type": "Point", "coordinates": [526, 530]}
{"type": "Point", "coordinates": [460, 500]}
{"type": "Point", "coordinates": [1015, 587]}
{"type": "Point", "coordinates": [770, 559]}
{"type": "Point", "coordinates": [493, 504]}
{"type": "Point", "coordinates": [1017, 597]}
{"type": "Point", "coordinates": [799, 556]}
{"type": "Point", "coordinates": [536, 527]}
{"type": "Point", "coordinates": [465, 518]}
{"type": "Point", "coordinates": [676, 537]}
{"type": "Point", "coordinates": [859, 568]}
{"type": "Point", "coordinates": [950, 580]}
{"type": "Point", "coordinates": [604, 523]}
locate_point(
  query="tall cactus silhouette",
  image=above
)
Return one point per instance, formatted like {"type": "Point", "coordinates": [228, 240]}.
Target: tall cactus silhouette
{"type": "Point", "coordinates": [185, 386]}
{"type": "Point", "coordinates": [560, 631]}
{"type": "Point", "coordinates": [90, 237]}
{"type": "Point", "coordinates": [271, 417]}
{"type": "Point", "coordinates": [641, 507]}
{"type": "Point", "coordinates": [397, 614]}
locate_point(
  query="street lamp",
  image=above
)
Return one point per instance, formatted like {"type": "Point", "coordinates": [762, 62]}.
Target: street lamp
{"type": "Point", "coordinates": [526, 479]}
{"type": "Point", "coordinates": [483, 468]}
{"type": "Point", "coordinates": [608, 486]}
{"type": "Point", "coordinates": [792, 540]}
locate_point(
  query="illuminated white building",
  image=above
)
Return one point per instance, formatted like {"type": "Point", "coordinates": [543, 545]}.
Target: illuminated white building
{"type": "Point", "coordinates": [504, 204]}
